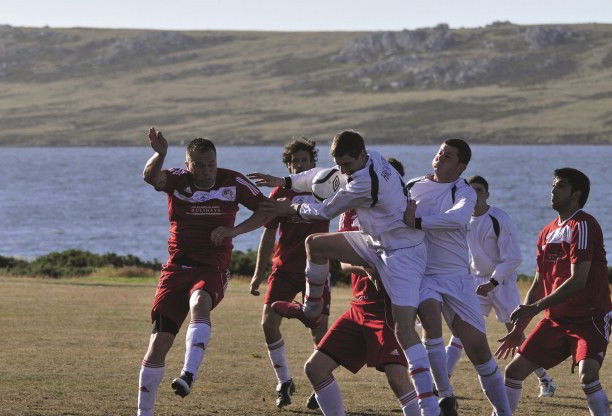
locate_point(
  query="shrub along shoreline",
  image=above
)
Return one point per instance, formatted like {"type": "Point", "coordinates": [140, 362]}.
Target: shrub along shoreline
{"type": "Point", "coordinates": [80, 263]}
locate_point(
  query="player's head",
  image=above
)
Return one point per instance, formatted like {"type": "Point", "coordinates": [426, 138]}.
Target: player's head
{"type": "Point", "coordinates": [348, 150]}
{"type": "Point", "coordinates": [300, 155]}
{"type": "Point", "coordinates": [201, 161]}
{"type": "Point", "coordinates": [397, 165]}
{"type": "Point", "coordinates": [451, 160]}
{"type": "Point", "coordinates": [570, 189]}
{"type": "Point", "coordinates": [481, 186]}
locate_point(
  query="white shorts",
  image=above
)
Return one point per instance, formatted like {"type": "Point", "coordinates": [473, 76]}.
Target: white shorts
{"type": "Point", "coordinates": [504, 299]}
{"type": "Point", "coordinates": [457, 295]}
{"type": "Point", "coordinates": [400, 270]}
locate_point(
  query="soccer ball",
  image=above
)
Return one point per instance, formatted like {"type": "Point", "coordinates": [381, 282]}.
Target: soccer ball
{"type": "Point", "coordinates": [327, 182]}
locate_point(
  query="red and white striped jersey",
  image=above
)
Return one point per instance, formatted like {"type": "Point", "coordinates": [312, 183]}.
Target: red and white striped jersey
{"type": "Point", "coordinates": [561, 244]}
{"type": "Point", "coordinates": [194, 213]}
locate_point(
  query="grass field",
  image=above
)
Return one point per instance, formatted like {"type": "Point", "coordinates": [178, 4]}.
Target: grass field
{"type": "Point", "coordinates": [73, 347]}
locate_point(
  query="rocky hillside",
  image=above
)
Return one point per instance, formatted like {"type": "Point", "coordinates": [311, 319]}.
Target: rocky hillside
{"type": "Point", "coordinates": [502, 83]}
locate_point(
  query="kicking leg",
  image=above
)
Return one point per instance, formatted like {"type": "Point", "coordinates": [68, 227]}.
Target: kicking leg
{"type": "Point", "coordinates": [196, 341]}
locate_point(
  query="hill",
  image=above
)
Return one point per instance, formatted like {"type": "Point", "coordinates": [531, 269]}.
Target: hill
{"type": "Point", "coordinates": [502, 83]}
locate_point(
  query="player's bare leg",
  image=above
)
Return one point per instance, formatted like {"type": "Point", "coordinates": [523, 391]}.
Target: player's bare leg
{"type": "Point", "coordinates": [320, 248]}
{"type": "Point", "coordinates": [477, 349]}
{"type": "Point", "coordinates": [516, 372]}
{"type": "Point", "coordinates": [196, 341]}
{"type": "Point", "coordinates": [398, 379]}
{"type": "Point", "coordinates": [596, 396]}
{"type": "Point", "coordinates": [319, 369]}
{"type": "Point", "coordinates": [270, 322]}
{"type": "Point", "coordinates": [152, 371]}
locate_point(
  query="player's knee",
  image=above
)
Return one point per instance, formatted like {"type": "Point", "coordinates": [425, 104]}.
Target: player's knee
{"type": "Point", "coordinates": [588, 376]}
{"type": "Point", "coordinates": [514, 372]}
{"type": "Point", "coordinates": [200, 302]}
{"type": "Point", "coordinates": [314, 371]}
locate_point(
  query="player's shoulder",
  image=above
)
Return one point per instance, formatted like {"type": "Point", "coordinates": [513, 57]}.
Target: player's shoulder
{"type": "Point", "coordinates": [414, 181]}
{"type": "Point", "coordinates": [582, 217]}
{"type": "Point", "coordinates": [499, 213]}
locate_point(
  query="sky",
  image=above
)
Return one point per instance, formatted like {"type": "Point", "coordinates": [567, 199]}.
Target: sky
{"type": "Point", "coordinates": [298, 15]}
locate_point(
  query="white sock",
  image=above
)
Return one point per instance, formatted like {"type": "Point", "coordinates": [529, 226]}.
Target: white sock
{"type": "Point", "coordinates": [316, 276]}
{"type": "Point", "coordinates": [492, 384]}
{"type": "Point", "coordinates": [410, 405]}
{"type": "Point", "coordinates": [437, 360]}
{"type": "Point", "coordinates": [148, 382]}
{"type": "Point", "coordinates": [454, 349]}
{"type": "Point", "coordinates": [418, 366]}
{"type": "Point", "coordinates": [596, 399]}
{"type": "Point", "coordinates": [329, 398]}
{"type": "Point", "coordinates": [278, 357]}
{"type": "Point", "coordinates": [196, 341]}
{"type": "Point", "coordinates": [513, 391]}
{"type": "Point", "coordinates": [542, 374]}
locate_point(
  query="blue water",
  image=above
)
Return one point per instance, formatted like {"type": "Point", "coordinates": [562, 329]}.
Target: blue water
{"type": "Point", "coordinates": [52, 199]}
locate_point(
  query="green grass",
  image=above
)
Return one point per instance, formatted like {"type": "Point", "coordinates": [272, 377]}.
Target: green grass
{"type": "Point", "coordinates": [73, 347]}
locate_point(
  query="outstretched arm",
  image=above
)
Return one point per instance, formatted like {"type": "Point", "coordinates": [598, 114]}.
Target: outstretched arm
{"type": "Point", "coordinates": [153, 173]}
{"type": "Point", "coordinates": [256, 220]}
{"type": "Point", "coordinates": [264, 252]}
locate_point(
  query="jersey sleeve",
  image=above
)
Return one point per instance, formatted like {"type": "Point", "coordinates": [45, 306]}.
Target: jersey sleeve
{"type": "Point", "coordinates": [581, 245]}
{"type": "Point", "coordinates": [509, 251]}
{"type": "Point", "coordinates": [247, 193]}
{"type": "Point", "coordinates": [458, 216]}
{"type": "Point", "coordinates": [302, 182]}
{"type": "Point", "coordinates": [173, 178]}
{"type": "Point", "coordinates": [273, 224]}
{"type": "Point", "coordinates": [356, 194]}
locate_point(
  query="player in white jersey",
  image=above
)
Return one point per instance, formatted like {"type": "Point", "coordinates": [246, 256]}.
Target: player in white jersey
{"type": "Point", "coordinates": [444, 204]}
{"type": "Point", "coordinates": [494, 257]}
{"type": "Point", "coordinates": [375, 190]}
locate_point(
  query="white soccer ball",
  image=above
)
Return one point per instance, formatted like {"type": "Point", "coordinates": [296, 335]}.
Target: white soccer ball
{"type": "Point", "coordinates": [327, 182]}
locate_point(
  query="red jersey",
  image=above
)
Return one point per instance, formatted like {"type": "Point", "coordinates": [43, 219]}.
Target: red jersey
{"type": "Point", "coordinates": [194, 213]}
{"type": "Point", "coordinates": [290, 253]}
{"type": "Point", "coordinates": [365, 293]}
{"type": "Point", "coordinates": [577, 239]}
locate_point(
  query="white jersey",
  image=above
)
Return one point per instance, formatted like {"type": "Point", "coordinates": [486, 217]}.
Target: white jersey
{"type": "Point", "coordinates": [494, 249]}
{"type": "Point", "coordinates": [444, 211]}
{"type": "Point", "coordinates": [377, 193]}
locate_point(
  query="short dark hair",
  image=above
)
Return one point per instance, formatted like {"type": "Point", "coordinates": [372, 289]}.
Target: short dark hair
{"type": "Point", "coordinates": [578, 181]}
{"type": "Point", "coordinates": [348, 142]}
{"type": "Point", "coordinates": [200, 145]}
{"type": "Point", "coordinates": [302, 143]}
{"type": "Point", "coordinates": [464, 151]}
{"type": "Point", "coordinates": [397, 165]}
{"type": "Point", "coordinates": [480, 180]}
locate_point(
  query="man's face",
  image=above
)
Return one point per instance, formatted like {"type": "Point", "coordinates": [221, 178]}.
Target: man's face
{"type": "Point", "coordinates": [300, 161]}
{"type": "Point", "coordinates": [481, 193]}
{"type": "Point", "coordinates": [561, 194]}
{"type": "Point", "coordinates": [349, 164]}
{"type": "Point", "coordinates": [203, 167]}
{"type": "Point", "coordinates": [446, 162]}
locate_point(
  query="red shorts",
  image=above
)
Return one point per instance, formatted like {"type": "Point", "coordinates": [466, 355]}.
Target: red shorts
{"type": "Point", "coordinates": [286, 285]}
{"type": "Point", "coordinates": [177, 283]}
{"type": "Point", "coordinates": [550, 343]}
{"type": "Point", "coordinates": [359, 337]}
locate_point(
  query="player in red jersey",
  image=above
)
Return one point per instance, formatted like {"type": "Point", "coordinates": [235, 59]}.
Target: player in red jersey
{"type": "Point", "coordinates": [571, 287]}
{"type": "Point", "coordinates": [363, 335]}
{"type": "Point", "coordinates": [288, 263]}
{"type": "Point", "coordinates": [202, 205]}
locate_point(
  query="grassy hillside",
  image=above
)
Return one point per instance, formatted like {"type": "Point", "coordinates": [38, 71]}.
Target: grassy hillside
{"type": "Point", "coordinates": [502, 83]}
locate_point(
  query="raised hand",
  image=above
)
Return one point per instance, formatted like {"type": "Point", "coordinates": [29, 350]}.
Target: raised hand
{"type": "Point", "coordinates": [262, 179]}
{"type": "Point", "coordinates": [278, 208]}
{"type": "Point", "coordinates": [158, 142]}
